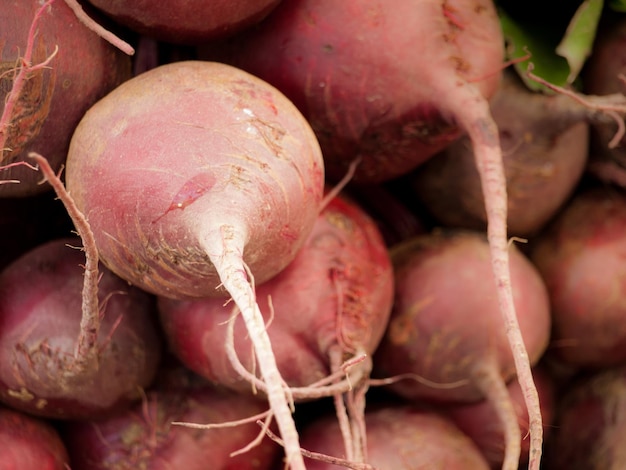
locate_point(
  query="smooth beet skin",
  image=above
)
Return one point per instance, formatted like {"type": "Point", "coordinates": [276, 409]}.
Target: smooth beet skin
{"type": "Point", "coordinates": [144, 436]}
{"type": "Point", "coordinates": [373, 80]}
{"type": "Point", "coordinates": [54, 98]}
{"type": "Point", "coordinates": [40, 314]}
{"type": "Point", "coordinates": [580, 256]}
{"type": "Point", "coordinates": [445, 324]}
{"type": "Point", "coordinates": [30, 443]}
{"type": "Point", "coordinates": [399, 437]}
{"type": "Point", "coordinates": [446, 331]}
{"type": "Point", "coordinates": [589, 429]}
{"type": "Point", "coordinates": [186, 21]}
{"type": "Point", "coordinates": [480, 421]}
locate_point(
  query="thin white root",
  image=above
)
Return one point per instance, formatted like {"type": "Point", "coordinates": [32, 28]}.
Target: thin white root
{"type": "Point", "coordinates": [320, 389]}
{"type": "Point", "coordinates": [490, 382]}
{"type": "Point", "coordinates": [98, 29]}
{"type": "Point", "coordinates": [225, 249]}
{"type": "Point", "coordinates": [326, 458]}
{"type": "Point", "coordinates": [472, 113]}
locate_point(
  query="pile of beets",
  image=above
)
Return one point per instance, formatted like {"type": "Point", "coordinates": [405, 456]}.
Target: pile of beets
{"type": "Point", "coordinates": [308, 234]}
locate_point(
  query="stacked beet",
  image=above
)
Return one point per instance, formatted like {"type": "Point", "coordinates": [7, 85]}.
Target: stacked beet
{"type": "Point", "coordinates": [306, 234]}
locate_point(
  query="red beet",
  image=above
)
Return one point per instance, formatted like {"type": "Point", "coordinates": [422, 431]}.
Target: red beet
{"type": "Point", "coordinates": [40, 315]}
{"type": "Point", "coordinates": [197, 179]}
{"type": "Point", "coordinates": [29, 443]}
{"type": "Point", "coordinates": [399, 437]}
{"type": "Point", "coordinates": [187, 21]}
{"type": "Point", "coordinates": [545, 147]}
{"type": "Point", "coordinates": [446, 328]}
{"type": "Point", "coordinates": [591, 422]}
{"type": "Point", "coordinates": [480, 420]}
{"type": "Point", "coordinates": [580, 258]}
{"type": "Point", "coordinates": [144, 437]}
{"type": "Point", "coordinates": [40, 107]}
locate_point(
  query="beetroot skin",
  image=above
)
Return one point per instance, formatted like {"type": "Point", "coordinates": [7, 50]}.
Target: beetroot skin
{"type": "Point", "coordinates": [40, 315]}
{"type": "Point", "coordinates": [480, 421]}
{"type": "Point", "coordinates": [30, 443]}
{"type": "Point", "coordinates": [580, 256]}
{"type": "Point", "coordinates": [545, 146]}
{"type": "Point", "coordinates": [187, 21]}
{"type": "Point", "coordinates": [372, 95]}
{"type": "Point", "coordinates": [399, 437]}
{"type": "Point", "coordinates": [435, 335]}
{"type": "Point", "coordinates": [54, 98]}
{"type": "Point", "coordinates": [144, 437]}
{"type": "Point", "coordinates": [591, 421]}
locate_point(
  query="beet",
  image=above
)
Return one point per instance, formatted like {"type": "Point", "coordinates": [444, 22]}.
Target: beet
{"type": "Point", "coordinates": [579, 257]}
{"type": "Point", "coordinates": [144, 437]}
{"type": "Point", "coordinates": [399, 437]}
{"type": "Point", "coordinates": [30, 443]}
{"type": "Point", "coordinates": [590, 424]}
{"type": "Point", "coordinates": [545, 147]}
{"type": "Point", "coordinates": [42, 113]}
{"type": "Point", "coordinates": [199, 179]}
{"type": "Point", "coordinates": [40, 317]}
{"type": "Point", "coordinates": [446, 330]}
{"type": "Point", "coordinates": [187, 21]}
